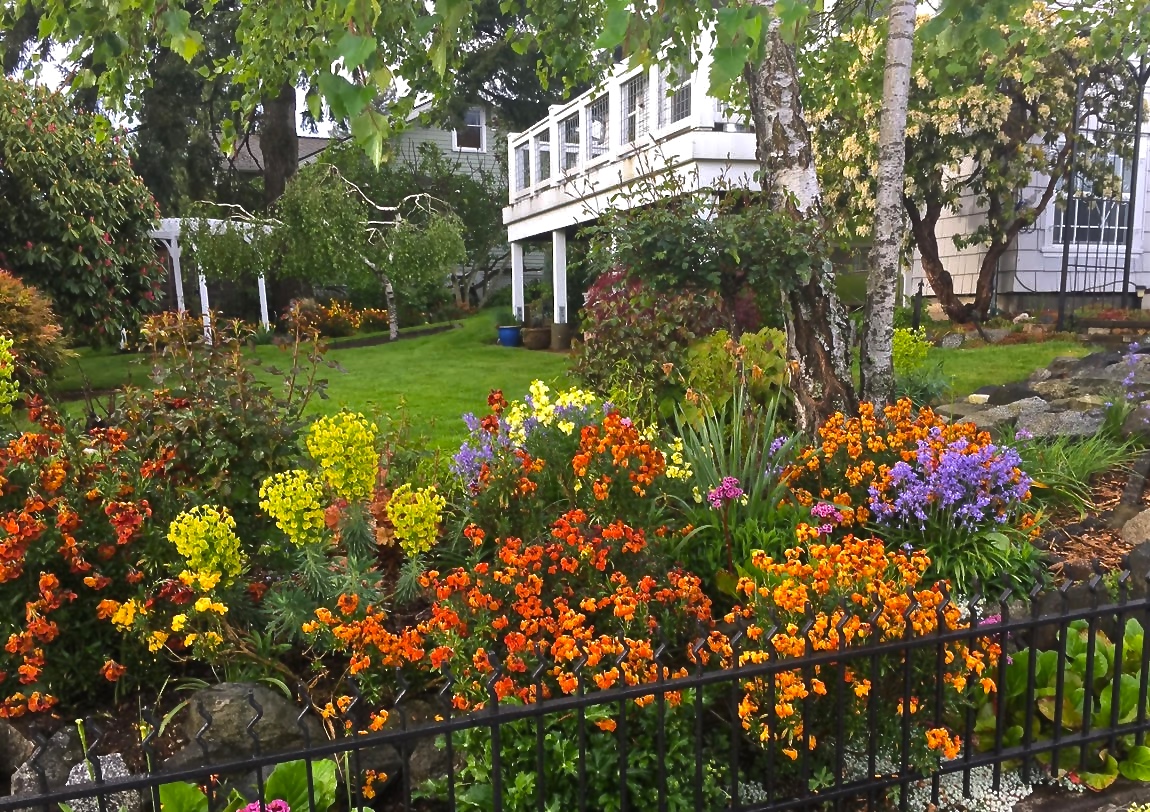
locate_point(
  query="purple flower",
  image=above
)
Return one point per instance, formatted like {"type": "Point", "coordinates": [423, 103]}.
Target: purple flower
{"type": "Point", "coordinates": [777, 446]}
{"type": "Point", "coordinates": [727, 491]}
{"type": "Point", "coordinates": [825, 510]}
{"type": "Point", "coordinates": [1022, 435]}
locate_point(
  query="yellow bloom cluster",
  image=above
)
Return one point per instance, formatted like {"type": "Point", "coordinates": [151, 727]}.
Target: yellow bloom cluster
{"type": "Point", "coordinates": [679, 467]}
{"type": "Point", "coordinates": [415, 514]}
{"type": "Point", "coordinates": [206, 537]}
{"type": "Point", "coordinates": [294, 500]}
{"type": "Point", "coordinates": [545, 410]}
{"type": "Point", "coordinates": [9, 391]}
{"type": "Point", "coordinates": [125, 615]}
{"type": "Point", "coordinates": [344, 447]}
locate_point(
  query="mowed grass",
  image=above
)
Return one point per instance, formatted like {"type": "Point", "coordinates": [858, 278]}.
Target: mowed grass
{"type": "Point", "coordinates": [972, 368]}
{"type": "Point", "coordinates": [433, 379]}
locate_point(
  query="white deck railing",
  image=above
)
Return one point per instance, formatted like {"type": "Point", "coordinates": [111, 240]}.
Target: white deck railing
{"type": "Point", "coordinates": [631, 110]}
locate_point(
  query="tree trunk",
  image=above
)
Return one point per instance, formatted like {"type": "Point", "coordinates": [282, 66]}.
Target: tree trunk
{"type": "Point", "coordinates": [279, 148]}
{"type": "Point", "coordinates": [392, 309]}
{"type": "Point", "coordinates": [922, 227]}
{"type": "Point", "coordinates": [876, 359]}
{"type": "Point", "coordinates": [817, 334]}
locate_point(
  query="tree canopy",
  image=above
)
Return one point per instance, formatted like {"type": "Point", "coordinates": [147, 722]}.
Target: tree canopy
{"type": "Point", "coordinates": [74, 217]}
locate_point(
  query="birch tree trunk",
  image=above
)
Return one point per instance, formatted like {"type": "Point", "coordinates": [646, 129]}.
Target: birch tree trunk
{"type": "Point", "coordinates": [876, 360]}
{"type": "Point", "coordinates": [817, 334]}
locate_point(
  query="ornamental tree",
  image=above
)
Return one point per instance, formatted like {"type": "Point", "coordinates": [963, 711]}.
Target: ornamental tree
{"type": "Point", "coordinates": [74, 217]}
{"type": "Point", "coordinates": [991, 112]}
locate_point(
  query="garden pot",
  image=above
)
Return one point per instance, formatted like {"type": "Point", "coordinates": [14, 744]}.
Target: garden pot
{"type": "Point", "coordinates": [561, 335]}
{"type": "Point", "coordinates": [536, 338]}
{"type": "Point", "coordinates": [509, 335]}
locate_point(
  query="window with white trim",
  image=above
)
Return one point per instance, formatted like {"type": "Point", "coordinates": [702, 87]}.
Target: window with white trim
{"type": "Point", "coordinates": [569, 143]}
{"type": "Point", "coordinates": [598, 127]}
{"type": "Point", "coordinates": [634, 109]}
{"type": "Point", "coordinates": [674, 97]}
{"type": "Point", "coordinates": [472, 136]}
{"type": "Point", "coordinates": [543, 154]}
{"type": "Point", "coordinates": [1087, 218]}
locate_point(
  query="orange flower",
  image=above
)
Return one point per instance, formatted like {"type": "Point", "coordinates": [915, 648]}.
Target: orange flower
{"type": "Point", "coordinates": [112, 671]}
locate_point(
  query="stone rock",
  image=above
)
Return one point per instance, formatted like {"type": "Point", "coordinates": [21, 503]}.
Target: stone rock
{"type": "Point", "coordinates": [958, 411]}
{"type": "Point", "coordinates": [48, 770]}
{"type": "Point", "coordinates": [1138, 562]}
{"type": "Point", "coordinates": [952, 341]}
{"type": "Point", "coordinates": [999, 416]}
{"type": "Point", "coordinates": [427, 759]}
{"type": "Point", "coordinates": [227, 709]}
{"type": "Point", "coordinates": [996, 334]}
{"type": "Point", "coordinates": [1040, 375]}
{"type": "Point", "coordinates": [1061, 366]}
{"type": "Point", "coordinates": [15, 748]}
{"type": "Point", "coordinates": [112, 768]}
{"type": "Point", "coordinates": [1009, 393]}
{"type": "Point", "coordinates": [1057, 388]}
{"type": "Point", "coordinates": [1061, 424]}
{"type": "Point", "coordinates": [1137, 530]}
{"type": "Point", "coordinates": [1137, 424]}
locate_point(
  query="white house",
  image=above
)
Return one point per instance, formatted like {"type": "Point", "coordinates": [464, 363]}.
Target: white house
{"type": "Point", "coordinates": [587, 155]}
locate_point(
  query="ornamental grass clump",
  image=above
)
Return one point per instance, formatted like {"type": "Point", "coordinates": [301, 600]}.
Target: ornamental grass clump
{"type": "Point", "coordinates": [913, 479]}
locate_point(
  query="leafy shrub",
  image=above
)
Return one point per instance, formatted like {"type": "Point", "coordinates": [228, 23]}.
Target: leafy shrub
{"type": "Point", "coordinates": [941, 487]}
{"type": "Point", "coordinates": [909, 350]}
{"type": "Point", "coordinates": [37, 341]}
{"type": "Point", "coordinates": [718, 365]}
{"type": "Point", "coordinates": [924, 386]}
{"type": "Point", "coordinates": [74, 217]}
{"type": "Point", "coordinates": [631, 330]}
{"type": "Point", "coordinates": [1111, 678]}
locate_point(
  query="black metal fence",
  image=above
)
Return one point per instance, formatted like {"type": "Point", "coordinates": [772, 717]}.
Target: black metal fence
{"type": "Point", "coordinates": [1066, 695]}
{"type": "Point", "coordinates": [1096, 231]}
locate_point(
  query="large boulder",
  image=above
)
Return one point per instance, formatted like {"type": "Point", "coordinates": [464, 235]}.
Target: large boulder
{"type": "Point", "coordinates": [1000, 416]}
{"type": "Point", "coordinates": [111, 768]}
{"type": "Point", "coordinates": [15, 749]}
{"type": "Point", "coordinates": [225, 722]}
{"type": "Point", "coordinates": [1007, 393]}
{"type": "Point", "coordinates": [1061, 424]}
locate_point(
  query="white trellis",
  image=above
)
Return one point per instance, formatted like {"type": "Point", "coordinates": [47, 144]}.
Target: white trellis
{"type": "Point", "coordinates": [169, 234]}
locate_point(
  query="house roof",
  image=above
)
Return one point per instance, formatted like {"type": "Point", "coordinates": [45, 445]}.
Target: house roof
{"type": "Point", "coordinates": [249, 158]}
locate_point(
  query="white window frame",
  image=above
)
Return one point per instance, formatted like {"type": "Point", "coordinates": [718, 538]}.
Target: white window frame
{"type": "Point", "coordinates": [1050, 247]}
{"type": "Point", "coordinates": [482, 134]}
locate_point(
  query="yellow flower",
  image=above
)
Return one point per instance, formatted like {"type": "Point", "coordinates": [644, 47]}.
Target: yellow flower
{"type": "Point", "coordinates": [157, 640]}
{"type": "Point", "coordinates": [203, 604]}
{"type": "Point", "coordinates": [415, 513]}
{"type": "Point", "coordinates": [206, 537]}
{"type": "Point", "coordinates": [9, 389]}
{"type": "Point", "coordinates": [294, 500]}
{"type": "Point", "coordinates": [125, 616]}
{"type": "Point", "coordinates": [566, 426]}
{"type": "Point", "coordinates": [178, 623]}
{"type": "Point", "coordinates": [344, 447]}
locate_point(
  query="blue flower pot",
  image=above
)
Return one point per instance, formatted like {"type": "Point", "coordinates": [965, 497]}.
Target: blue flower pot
{"type": "Point", "coordinates": [509, 336]}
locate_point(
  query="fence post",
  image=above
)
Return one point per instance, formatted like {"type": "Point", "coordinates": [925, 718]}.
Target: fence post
{"type": "Point", "coordinates": [1071, 177]}
{"type": "Point", "coordinates": [916, 315]}
{"type": "Point", "coordinates": [1140, 78]}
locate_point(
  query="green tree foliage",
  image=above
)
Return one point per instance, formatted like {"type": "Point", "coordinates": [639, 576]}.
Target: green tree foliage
{"type": "Point", "coordinates": [325, 231]}
{"type": "Point", "coordinates": [467, 190]}
{"type": "Point", "coordinates": [992, 106]}
{"type": "Point", "coordinates": [74, 217]}
{"type": "Point", "coordinates": [26, 319]}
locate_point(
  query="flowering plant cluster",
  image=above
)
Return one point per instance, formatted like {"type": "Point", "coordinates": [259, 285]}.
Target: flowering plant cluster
{"type": "Point", "coordinates": [336, 319]}
{"type": "Point", "coordinates": [343, 446]}
{"type": "Point", "coordinates": [914, 479]}
{"type": "Point", "coordinates": [834, 597]}
{"type": "Point", "coordinates": [523, 457]}
{"type": "Point", "coordinates": [582, 603]}
{"type": "Point", "coordinates": [415, 514]}
{"type": "Point", "coordinates": [74, 531]}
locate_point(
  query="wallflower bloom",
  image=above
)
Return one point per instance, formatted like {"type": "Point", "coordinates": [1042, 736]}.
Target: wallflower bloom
{"type": "Point", "coordinates": [344, 447]}
{"type": "Point", "coordinates": [206, 537]}
{"type": "Point", "coordinates": [727, 491]}
{"type": "Point", "coordinates": [294, 500]}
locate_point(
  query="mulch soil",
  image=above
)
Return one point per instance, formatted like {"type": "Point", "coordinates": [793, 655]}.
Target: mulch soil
{"type": "Point", "coordinates": [1089, 539]}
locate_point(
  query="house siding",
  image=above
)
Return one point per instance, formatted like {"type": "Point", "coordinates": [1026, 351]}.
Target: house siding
{"type": "Point", "coordinates": [1030, 273]}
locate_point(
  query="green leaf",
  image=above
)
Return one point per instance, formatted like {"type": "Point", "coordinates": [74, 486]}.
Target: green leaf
{"type": "Point", "coordinates": [355, 49]}
{"type": "Point", "coordinates": [615, 25]}
{"type": "Point", "coordinates": [182, 797]}
{"type": "Point", "coordinates": [728, 65]}
{"type": "Point", "coordinates": [1136, 765]}
{"type": "Point", "coordinates": [314, 105]}
{"type": "Point", "coordinates": [1105, 777]}
{"type": "Point", "coordinates": [288, 782]}
{"type": "Point", "coordinates": [370, 130]}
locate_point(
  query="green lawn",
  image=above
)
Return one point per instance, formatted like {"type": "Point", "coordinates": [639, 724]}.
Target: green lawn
{"type": "Point", "coordinates": [438, 376]}
{"type": "Point", "coordinates": [971, 369]}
